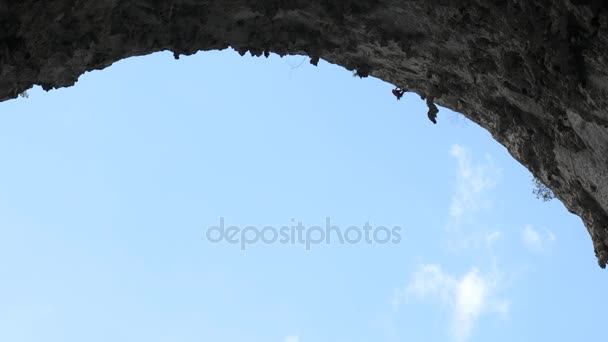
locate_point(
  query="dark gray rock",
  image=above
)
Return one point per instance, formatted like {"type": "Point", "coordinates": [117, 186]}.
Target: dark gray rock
{"type": "Point", "coordinates": [533, 73]}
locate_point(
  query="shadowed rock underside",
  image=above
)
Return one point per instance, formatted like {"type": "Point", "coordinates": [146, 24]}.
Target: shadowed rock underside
{"type": "Point", "coordinates": [533, 73]}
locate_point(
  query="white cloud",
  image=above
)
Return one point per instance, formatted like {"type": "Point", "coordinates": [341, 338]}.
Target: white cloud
{"type": "Point", "coordinates": [429, 280]}
{"type": "Point", "coordinates": [467, 297]}
{"type": "Point", "coordinates": [492, 237]}
{"type": "Point", "coordinates": [535, 240]}
{"type": "Point", "coordinates": [292, 338]}
{"type": "Point", "coordinates": [472, 182]}
{"type": "Point", "coordinates": [531, 237]}
{"type": "Point", "coordinates": [466, 226]}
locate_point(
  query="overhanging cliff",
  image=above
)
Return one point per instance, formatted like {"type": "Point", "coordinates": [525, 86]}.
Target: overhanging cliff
{"type": "Point", "coordinates": [534, 73]}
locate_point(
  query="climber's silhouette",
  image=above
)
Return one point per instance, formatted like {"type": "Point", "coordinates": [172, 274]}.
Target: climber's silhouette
{"type": "Point", "coordinates": [398, 92]}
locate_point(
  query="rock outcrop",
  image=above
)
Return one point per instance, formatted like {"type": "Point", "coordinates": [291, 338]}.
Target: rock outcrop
{"type": "Point", "coordinates": [532, 72]}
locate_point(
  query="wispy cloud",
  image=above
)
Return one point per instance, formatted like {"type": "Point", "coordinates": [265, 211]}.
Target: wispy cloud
{"type": "Point", "coordinates": [467, 297]}
{"type": "Point", "coordinates": [292, 338]}
{"type": "Point", "coordinates": [472, 182]}
{"type": "Point", "coordinates": [536, 240]}
{"type": "Point", "coordinates": [470, 199]}
{"type": "Point", "coordinates": [492, 237]}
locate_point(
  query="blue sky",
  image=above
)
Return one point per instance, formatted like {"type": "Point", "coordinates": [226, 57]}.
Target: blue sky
{"type": "Point", "coordinates": [107, 189]}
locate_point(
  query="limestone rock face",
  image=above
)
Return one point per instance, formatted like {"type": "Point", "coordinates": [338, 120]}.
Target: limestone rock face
{"type": "Point", "coordinates": [532, 72]}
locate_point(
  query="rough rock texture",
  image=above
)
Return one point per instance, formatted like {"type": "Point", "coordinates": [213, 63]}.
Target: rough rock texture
{"type": "Point", "coordinates": [532, 72]}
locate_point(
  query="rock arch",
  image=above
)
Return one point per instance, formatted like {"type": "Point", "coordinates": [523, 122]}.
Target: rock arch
{"type": "Point", "coordinates": [534, 73]}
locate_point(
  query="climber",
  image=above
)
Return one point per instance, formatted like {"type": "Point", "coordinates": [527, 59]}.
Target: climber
{"type": "Point", "coordinates": [398, 92]}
